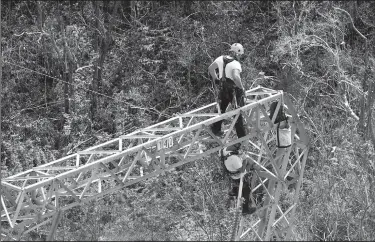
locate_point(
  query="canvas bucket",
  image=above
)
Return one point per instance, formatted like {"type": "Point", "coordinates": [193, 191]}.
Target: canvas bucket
{"type": "Point", "coordinates": [284, 137]}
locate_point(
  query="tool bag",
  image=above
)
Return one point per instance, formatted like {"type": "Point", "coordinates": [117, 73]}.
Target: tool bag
{"type": "Point", "coordinates": [283, 135]}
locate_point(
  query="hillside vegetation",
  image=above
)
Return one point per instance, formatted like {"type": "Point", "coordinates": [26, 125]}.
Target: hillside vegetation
{"type": "Point", "coordinates": [78, 73]}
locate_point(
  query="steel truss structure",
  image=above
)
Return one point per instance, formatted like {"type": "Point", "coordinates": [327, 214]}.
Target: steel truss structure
{"type": "Point", "coordinates": [38, 196]}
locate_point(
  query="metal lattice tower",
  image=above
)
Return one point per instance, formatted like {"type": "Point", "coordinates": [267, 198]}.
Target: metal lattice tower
{"type": "Point", "coordinates": [38, 196]}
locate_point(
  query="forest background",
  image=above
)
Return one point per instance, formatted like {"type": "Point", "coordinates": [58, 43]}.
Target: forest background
{"type": "Point", "coordinates": [78, 73]}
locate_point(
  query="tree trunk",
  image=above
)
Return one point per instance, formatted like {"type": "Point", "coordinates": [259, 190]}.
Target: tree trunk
{"type": "Point", "coordinates": [126, 8]}
{"type": "Point", "coordinates": [187, 7]}
{"type": "Point", "coordinates": [71, 66]}
{"type": "Point", "coordinates": [133, 6]}
{"type": "Point", "coordinates": [364, 88]}
{"type": "Point", "coordinates": [66, 81]}
{"type": "Point", "coordinates": [154, 5]}
{"type": "Point", "coordinates": [9, 10]}
{"type": "Point", "coordinates": [65, 66]}
{"type": "Point", "coordinates": [40, 16]}
{"type": "Point", "coordinates": [95, 79]}
{"type": "Point", "coordinates": [1, 73]}
{"type": "Point", "coordinates": [114, 12]}
{"type": "Point", "coordinates": [101, 46]}
{"type": "Point", "coordinates": [370, 103]}
{"type": "Point", "coordinates": [44, 63]}
{"type": "Point", "coordinates": [362, 116]}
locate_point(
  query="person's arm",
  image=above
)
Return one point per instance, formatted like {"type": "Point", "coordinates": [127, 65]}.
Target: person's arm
{"type": "Point", "coordinates": [212, 70]}
{"type": "Point", "coordinates": [247, 164]}
{"type": "Point", "coordinates": [237, 78]}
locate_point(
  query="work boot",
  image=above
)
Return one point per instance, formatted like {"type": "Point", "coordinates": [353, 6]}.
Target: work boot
{"type": "Point", "coordinates": [247, 208]}
{"type": "Point", "coordinates": [233, 192]}
{"type": "Point", "coordinates": [234, 148]}
{"type": "Point", "coordinates": [218, 133]}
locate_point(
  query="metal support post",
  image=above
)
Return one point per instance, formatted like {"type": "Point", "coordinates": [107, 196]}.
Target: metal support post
{"type": "Point", "coordinates": [55, 223]}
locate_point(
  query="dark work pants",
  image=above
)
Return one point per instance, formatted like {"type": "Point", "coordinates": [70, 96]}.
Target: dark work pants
{"type": "Point", "coordinates": [245, 190]}
{"type": "Point", "coordinates": [225, 97]}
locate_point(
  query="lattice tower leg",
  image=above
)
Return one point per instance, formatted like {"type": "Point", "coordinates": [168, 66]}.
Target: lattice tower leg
{"type": "Point", "coordinates": [279, 187]}
{"type": "Point", "coordinates": [238, 214]}
{"type": "Point", "coordinates": [271, 190]}
{"type": "Point", "coordinates": [267, 201]}
{"type": "Point", "coordinates": [240, 227]}
{"type": "Point", "coordinates": [296, 195]}
{"type": "Point", "coordinates": [274, 189]}
{"type": "Point", "coordinates": [55, 223]}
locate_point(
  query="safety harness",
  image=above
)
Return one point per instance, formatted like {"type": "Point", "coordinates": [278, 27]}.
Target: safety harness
{"type": "Point", "coordinates": [226, 60]}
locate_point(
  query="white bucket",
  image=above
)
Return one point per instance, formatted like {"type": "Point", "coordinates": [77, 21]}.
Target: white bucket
{"type": "Point", "coordinates": [284, 137]}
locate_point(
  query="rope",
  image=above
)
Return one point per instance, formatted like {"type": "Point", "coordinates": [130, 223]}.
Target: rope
{"type": "Point", "coordinates": [95, 92]}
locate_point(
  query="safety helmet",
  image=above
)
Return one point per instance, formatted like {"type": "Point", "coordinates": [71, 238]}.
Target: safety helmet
{"type": "Point", "coordinates": [231, 161]}
{"type": "Point", "coordinates": [237, 48]}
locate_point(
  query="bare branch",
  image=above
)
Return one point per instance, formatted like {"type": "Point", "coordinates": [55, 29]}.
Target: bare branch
{"type": "Point", "coordinates": [80, 68]}
{"type": "Point", "coordinates": [28, 33]}
{"type": "Point", "coordinates": [351, 20]}
{"type": "Point", "coordinates": [348, 108]}
{"type": "Point", "coordinates": [80, 143]}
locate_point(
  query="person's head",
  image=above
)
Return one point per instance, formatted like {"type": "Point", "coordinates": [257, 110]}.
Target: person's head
{"type": "Point", "coordinates": [236, 50]}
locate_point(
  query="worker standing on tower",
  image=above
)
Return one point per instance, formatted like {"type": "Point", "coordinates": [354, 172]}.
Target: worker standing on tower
{"type": "Point", "coordinates": [229, 79]}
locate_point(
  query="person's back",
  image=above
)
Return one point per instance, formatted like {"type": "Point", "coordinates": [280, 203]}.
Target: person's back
{"type": "Point", "coordinates": [231, 65]}
{"type": "Point", "coordinates": [233, 69]}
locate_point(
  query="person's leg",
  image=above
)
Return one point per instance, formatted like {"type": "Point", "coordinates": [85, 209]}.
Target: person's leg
{"type": "Point", "coordinates": [225, 96]}
{"type": "Point", "coordinates": [246, 195]}
{"type": "Point", "coordinates": [246, 190]}
{"type": "Point", "coordinates": [235, 186]}
{"type": "Point", "coordinates": [240, 96]}
{"type": "Point", "coordinates": [240, 129]}
{"type": "Point", "coordinates": [249, 206]}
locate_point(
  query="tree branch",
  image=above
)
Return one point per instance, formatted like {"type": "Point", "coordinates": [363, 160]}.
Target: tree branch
{"type": "Point", "coordinates": [80, 68]}
{"type": "Point", "coordinates": [80, 143]}
{"type": "Point", "coordinates": [348, 108]}
{"type": "Point", "coordinates": [352, 22]}
{"type": "Point", "coordinates": [364, 83]}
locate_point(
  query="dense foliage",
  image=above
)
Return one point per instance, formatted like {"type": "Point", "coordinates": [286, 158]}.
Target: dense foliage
{"type": "Point", "coordinates": [77, 73]}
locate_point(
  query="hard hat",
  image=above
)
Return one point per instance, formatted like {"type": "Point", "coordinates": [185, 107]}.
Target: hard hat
{"type": "Point", "coordinates": [237, 48]}
{"type": "Point", "coordinates": [233, 163]}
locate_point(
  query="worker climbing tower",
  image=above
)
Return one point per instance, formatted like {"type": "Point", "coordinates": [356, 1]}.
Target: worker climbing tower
{"type": "Point", "coordinates": [38, 197]}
